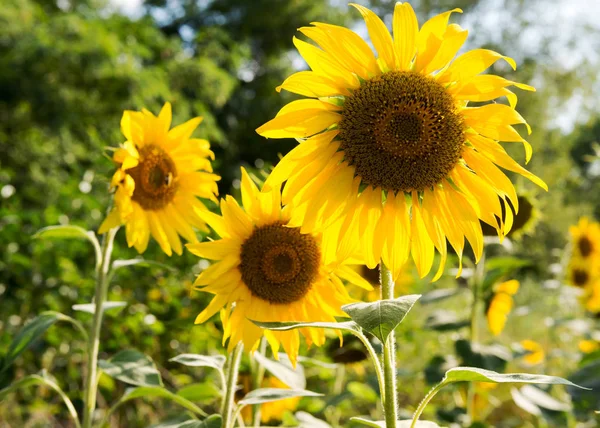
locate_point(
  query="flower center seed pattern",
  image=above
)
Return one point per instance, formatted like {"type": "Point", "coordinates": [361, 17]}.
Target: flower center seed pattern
{"type": "Point", "coordinates": [155, 178]}
{"type": "Point", "coordinates": [401, 131]}
{"type": "Point", "coordinates": [580, 277]}
{"type": "Point", "coordinates": [585, 246]}
{"type": "Point", "coordinates": [279, 264]}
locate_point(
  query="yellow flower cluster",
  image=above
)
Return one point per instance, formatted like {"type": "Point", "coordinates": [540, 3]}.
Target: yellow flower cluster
{"type": "Point", "coordinates": [397, 158]}
{"type": "Point", "coordinates": [584, 265]}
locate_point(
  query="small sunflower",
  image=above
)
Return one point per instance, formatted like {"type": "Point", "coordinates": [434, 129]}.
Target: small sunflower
{"type": "Point", "coordinates": [585, 238]}
{"type": "Point", "coordinates": [161, 173]}
{"type": "Point", "coordinates": [591, 298]}
{"type": "Point", "coordinates": [412, 163]}
{"type": "Point", "coordinates": [523, 222]}
{"type": "Point", "coordinates": [267, 270]}
{"type": "Point", "coordinates": [500, 305]}
{"type": "Point", "coordinates": [535, 352]}
{"type": "Point", "coordinates": [581, 274]}
{"type": "Point", "coordinates": [587, 346]}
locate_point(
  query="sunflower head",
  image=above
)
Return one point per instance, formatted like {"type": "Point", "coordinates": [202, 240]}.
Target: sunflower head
{"type": "Point", "coordinates": [581, 274]}
{"type": "Point", "coordinates": [160, 174]}
{"type": "Point", "coordinates": [269, 270]}
{"type": "Point", "coordinates": [414, 164]}
{"type": "Point", "coordinates": [585, 240]}
{"type": "Point", "coordinates": [523, 221]}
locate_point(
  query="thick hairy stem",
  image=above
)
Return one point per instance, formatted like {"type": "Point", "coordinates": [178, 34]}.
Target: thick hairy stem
{"type": "Point", "coordinates": [390, 402]}
{"type": "Point", "coordinates": [102, 270]}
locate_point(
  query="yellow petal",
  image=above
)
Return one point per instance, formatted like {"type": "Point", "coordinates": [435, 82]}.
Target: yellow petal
{"type": "Point", "coordinates": [159, 233]}
{"type": "Point", "coordinates": [509, 287]}
{"type": "Point", "coordinates": [184, 131]}
{"type": "Point", "coordinates": [237, 220]}
{"type": "Point", "coordinates": [350, 275]}
{"type": "Point", "coordinates": [430, 38]}
{"type": "Point", "coordinates": [406, 29]}
{"type": "Point", "coordinates": [453, 40]}
{"type": "Point", "coordinates": [325, 65]}
{"type": "Point", "coordinates": [311, 84]}
{"type": "Point", "coordinates": [472, 63]}
{"type": "Point", "coordinates": [215, 250]}
{"type": "Point", "coordinates": [112, 220]}
{"type": "Point", "coordinates": [380, 37]}
{"type": "Point", "coordinates": [347, 47]}
{"type": "Point", "coordinates": [421, 244]}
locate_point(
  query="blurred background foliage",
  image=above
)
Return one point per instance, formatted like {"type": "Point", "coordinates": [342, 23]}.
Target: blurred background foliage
{"type": "Point", "coordinates": [68, 69]}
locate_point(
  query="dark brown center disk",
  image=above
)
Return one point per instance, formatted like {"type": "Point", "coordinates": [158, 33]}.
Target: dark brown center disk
{"type": "Point", "coordinates": [154, 176]}
{"type": "Point", "coordinates": [401, 131]}
{"type": "Point", "coordinates": [585, 246]}
{"type": "Point", "coordinates": [279, 264]}
{"type": "Point", "coordinates": [580, 277]}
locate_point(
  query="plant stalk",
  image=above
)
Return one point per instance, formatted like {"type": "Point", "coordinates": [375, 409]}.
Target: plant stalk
{"type": "Point", "coordinates": [390, 403]}
{"type": "Point", "coordinates": [476, 284]}
{"type": "Point", "coordinates": [102, 270]}
{"type": "Point", "coordinates": [258, 374]}
{"type": "Point", "coordinates": [232, 378]}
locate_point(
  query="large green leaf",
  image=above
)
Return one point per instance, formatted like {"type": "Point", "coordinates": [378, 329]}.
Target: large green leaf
{"type": "Point", "coordinates": [132, 367]}
{"type": "Point", "coordinates": [283, 370]}
{"type": "Point", "coordinates": [196, 360]}
{"type": "Point", "coordinates": [266, 395]}
{"type": "Point", "coordinates": [32, 331]}
{"type": "Point", "coordinates": [70, 232]}
{"type": "Point", "coordinates": [200, 392]}
{"type": "Point", "coordinates": [399, 424]}
{"type": "Point", "coordinates": [117, 264]}
{"type": "Point", "coordinates": [380, 318]}
{"type": "Point", "coordinates": [473, 374]}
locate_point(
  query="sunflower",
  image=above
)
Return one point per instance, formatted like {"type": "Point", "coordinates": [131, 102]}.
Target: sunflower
{"type": "Point", "coordinates": [581, 274]}
{"type": "Point", "coordinates": [267, 270]}
{"type": "Point", "coordinates": [160, 174]}
{"type": "Point", "coordinates": [591, 298]}
{"type": "Point", "coordinates": [535, 352]}
{"type": "Point", "coordinates": [587, 346]}
{"type": "Point", "coordinates": [585, 238]}
{"type": "Point", "coordinates": [500, 305]}
{"type": "Point", "coordinates": [524, 221]}
{"type": "Point", "coordinates": [412, 163]}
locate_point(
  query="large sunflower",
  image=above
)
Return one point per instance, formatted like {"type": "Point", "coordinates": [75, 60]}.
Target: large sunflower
{"type": "Point", "coordinates": [267, 270]}
{"type": "Point", "coordinates": [160, 174]}
{"type": "Point", "coordinates": [390, 145]}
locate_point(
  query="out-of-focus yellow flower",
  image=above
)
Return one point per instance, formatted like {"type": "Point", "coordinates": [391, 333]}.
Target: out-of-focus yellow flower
{"type": "Point", "coordinates": [268, 270]}
{"type": "Point", "coordinates": [392, 158]}
{"type": "Point", "coordinates": [535, 353]}
{"type": "Point", "coordinates": [501, 305]}
{"type": "Point", "coordinates": [581, 274]}
{"type": "Point", "coordinates": [274, 410]}
{"type": "Point", "coordinates": [588, 346]}
{"type": "Point", "coordinates": [161, 173]}
{"type": "Point", "coordinates": [524, 220]}
{"type": "Point", "coordinates": [585, 238]}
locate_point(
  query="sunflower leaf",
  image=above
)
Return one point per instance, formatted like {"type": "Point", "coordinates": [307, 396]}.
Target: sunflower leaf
{"type": "Point", "coordinates": [195, 360]}
{"type": "Point", "coordinates": [266, 395]}
{"type": "Point", "coordinates": [382, 317]}
{"type": "Point", "coordinates": [132, 367]}
{"type": "Point", "coordinates": [473, 374]}
{"type": "Point", "coordinates": [283, 370]}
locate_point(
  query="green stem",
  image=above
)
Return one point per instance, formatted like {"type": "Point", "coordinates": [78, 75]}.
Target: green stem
{"type": "Point", "coordinates": [102, 269]}
{"type": "Point", "coordinates": [389, 355]}
{"type": "Point", "coordinates": [258, 374]}
{"type": "Point", "coordinates": [424, 403]}
{"type": "Point", "coordinates": [232, 378]}
{"type": "Point", "coordinates": [476, 283]}
{"type": "Point", "coordinates": [377, 364]}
